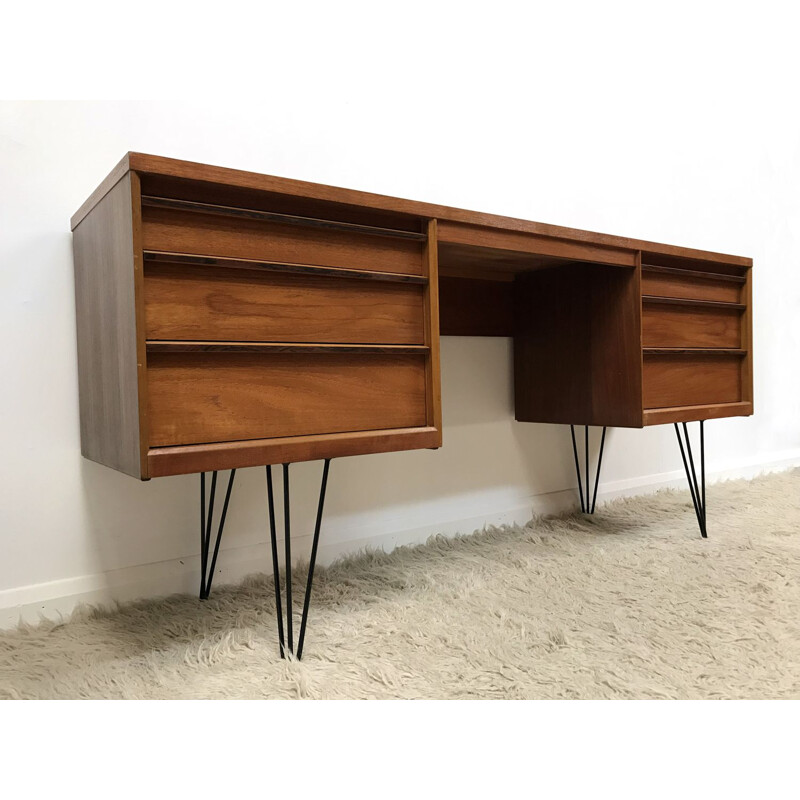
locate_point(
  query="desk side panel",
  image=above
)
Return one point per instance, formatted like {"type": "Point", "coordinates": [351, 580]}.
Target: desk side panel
{"type": "Point", "coordinates": [105, 304]}
{"type": "Point", "coordinates": [747, 340]}
{"type": "Point", "coordinates": [433, 376]}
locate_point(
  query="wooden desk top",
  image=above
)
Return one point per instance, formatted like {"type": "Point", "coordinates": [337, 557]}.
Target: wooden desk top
{"type": "Point", "coordinates": [191, 171]}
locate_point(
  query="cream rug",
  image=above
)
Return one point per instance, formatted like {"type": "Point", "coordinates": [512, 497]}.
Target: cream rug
{"type": "Point", "coordinates": [630, 603]}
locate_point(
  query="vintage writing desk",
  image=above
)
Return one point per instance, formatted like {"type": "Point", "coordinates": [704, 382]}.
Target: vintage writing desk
{"type": "Point", "coordinates": [228, 319]}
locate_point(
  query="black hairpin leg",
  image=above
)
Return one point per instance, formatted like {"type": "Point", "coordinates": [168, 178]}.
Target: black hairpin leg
{"type": "Point", "coordinates": [697, 490]}
{"type": "Point", "coordinates": [206, 524]}
{"type": "Point", "coordinates": [587, 507]}
{"type": "Point", "coordinates": [287, 644]}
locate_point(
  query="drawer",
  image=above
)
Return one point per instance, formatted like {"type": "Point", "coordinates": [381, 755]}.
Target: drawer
{"type": "Point", "coordinates": [690, 325]}
{"type": "Point", "coordinates": [691, 285]}
{"type": "Point", "coordinates": [176, 231]}
{"type": "Point", "coordinates": [691, 380]}
{"type": "Point", "coordinates": [189, 301]}
{"type": "Point", "coordinates": [217, 397]}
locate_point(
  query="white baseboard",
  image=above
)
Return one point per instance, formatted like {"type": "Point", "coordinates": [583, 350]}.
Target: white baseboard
{"type": "Point", "coordinates": [57, 599]}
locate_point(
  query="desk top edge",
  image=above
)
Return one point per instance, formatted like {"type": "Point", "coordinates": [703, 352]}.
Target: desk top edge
{"type": "Point", "coordinates": [176, 168]}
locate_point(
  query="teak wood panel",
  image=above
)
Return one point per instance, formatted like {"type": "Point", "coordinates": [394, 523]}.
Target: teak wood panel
{"type": "Point", "coordinates": [218, 397]}
{"type": "Point", "coordinates": [207, 234]}
{"type": "Point", "coordinates": [665, 325]}
{"type": "Point", "coordinates": [688, 285]}
{"type": "Point", "coordinates": [205, 303]}
{"type": "Point", "coordinates": [105, 250]}
{"type": "Point", "coordinates": [577, 346]}
{"type": "Point", "coordinates": [691, 380]}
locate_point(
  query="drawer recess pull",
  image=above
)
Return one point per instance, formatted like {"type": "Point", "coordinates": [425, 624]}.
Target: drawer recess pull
{"type": "Point", "coordinates": [679, 301]}
{"type": "Point", "coordinates": [693, 273]}
{"type": "Point", "coordinates": [156, 257]}
{"type": "Point", "coordinates": [693, 351]}
{"type": "Point", "coordinates": [163, 346]}
{"type": "Point", "coordinates": [273, 216]}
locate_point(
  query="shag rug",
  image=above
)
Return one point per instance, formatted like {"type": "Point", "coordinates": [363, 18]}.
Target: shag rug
{"type": "Point", "coordinates": [629, 603]}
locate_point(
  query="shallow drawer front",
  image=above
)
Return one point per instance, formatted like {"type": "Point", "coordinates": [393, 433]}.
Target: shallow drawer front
{"type": "Point", "coordinates": [207, 234]}
{"type": "Point", "coordinates": [218, 397]}
{"type": "Point", "coordinates": [691, 286]}
{"type": "Point", "coordinates": [665, 325]}
{"type": "Point", "coordinates": [218, 304]}
{"type": "Point", "coordinates": [691, 380]}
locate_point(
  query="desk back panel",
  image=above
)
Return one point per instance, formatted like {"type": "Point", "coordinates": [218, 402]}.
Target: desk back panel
{"type": "Point", "coordinates": [577, 346]}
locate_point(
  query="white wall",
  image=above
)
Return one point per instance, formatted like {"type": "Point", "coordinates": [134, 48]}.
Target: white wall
{"type": "Point", "coordinates": [686, 134]}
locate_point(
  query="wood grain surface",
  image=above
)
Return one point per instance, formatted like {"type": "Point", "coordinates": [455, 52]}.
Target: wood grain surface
{"type": "Point", "coordinates": [691, 285]}
{"type": "Point", "coordinates": [106, 308]}
{"type": "Point", "coordinates": [191, 302]}
{"type": "Point", "coordinates": [217, 397]}
{"type": "Point", "coordinates": [666, 325]}
{"type": "Point", "coordinates": [691, 380]}
{"type": "Point", "coordinates": [577, 350]}
{"type": "Point", "coordinates": [206, 234]}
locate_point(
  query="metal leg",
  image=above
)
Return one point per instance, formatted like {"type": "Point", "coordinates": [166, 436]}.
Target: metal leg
{"type": "Point", "coordinates": [287, 544]}
{"type": "Point", "coordinates": [577, 467]}
{"type": "Point", "coordinates": [206, 523]}
{"type": "Point", "coordinates": [287, 645]}
{"type": "Point", "coordinates": [275, 572]}
{"type": "Point", "coordinates": [588, 502]}
{"type": "Point", "coordinates": [597, 475]}
{"type": "Point", "coordinates": [696, 490]}
{"type": "Point", "coordinates": [313, 559]}
{"type": "Point", "coordinates": [586, 462]}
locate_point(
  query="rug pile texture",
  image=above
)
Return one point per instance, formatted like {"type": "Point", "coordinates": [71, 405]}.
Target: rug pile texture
{"type": "Point", "coordinates": [628, 603]}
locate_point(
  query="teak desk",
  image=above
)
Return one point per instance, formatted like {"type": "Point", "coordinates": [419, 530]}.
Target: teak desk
{"type": "Point", "coordinates": [229, 319]}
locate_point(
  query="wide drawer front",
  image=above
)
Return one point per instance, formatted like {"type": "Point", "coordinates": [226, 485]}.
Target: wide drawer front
{"type": "Point", "coordinates": [691, 285]}
{"type": "Point", "coordinates": [175, 231]}
{"type": "Point", "coordinates": [216, 397]}
{"type": "Point", "coordinates": [690, 325]}
{"type": "Point", "coordinates": [187, 301]}
{"type": "Point", "coordinates": [689, 379]}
